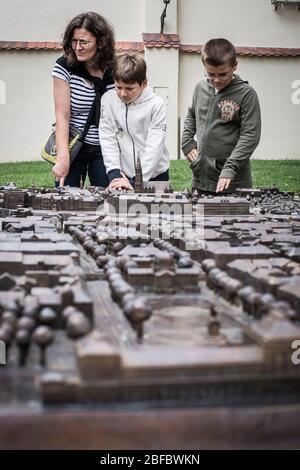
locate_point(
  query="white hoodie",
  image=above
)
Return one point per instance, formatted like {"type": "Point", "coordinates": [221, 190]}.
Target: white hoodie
{"type": "Point", "coordinates": [129, 131]}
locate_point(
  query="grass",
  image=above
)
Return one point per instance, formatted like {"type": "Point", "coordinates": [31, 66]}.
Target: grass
{"type": "Point", "coordinates": [24, 173]}
{"type": "Point", "coordinates": [283, 173]}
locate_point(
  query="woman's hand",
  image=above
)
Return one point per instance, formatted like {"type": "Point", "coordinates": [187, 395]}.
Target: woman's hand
{"type": "Point", "coordinates": [61, 169]}
{"type": "Point", "coordinates": [62, 101]}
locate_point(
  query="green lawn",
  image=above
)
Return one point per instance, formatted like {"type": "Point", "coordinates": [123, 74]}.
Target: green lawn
{"type": "Point", "coordinates": [284, 173]}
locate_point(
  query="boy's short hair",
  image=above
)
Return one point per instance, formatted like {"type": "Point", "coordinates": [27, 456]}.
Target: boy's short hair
{"type": "Point", "coordinates": [218, 51]}
{"type": "Point", "coordinates": [130, 68]}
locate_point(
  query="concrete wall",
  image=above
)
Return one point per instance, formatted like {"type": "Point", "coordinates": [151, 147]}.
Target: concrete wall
{"type": "Point", "coordinates": [26, 118]}
{"type": "Point", "coordinates": [163, 77]}
{"type": "Point", "coordinates": [40, 20]}
{"type": "Point", "coordinates": [153, 11]}
{"type": "Point", "coordinates": [26, 104]}
{"type": "Point", "coordinates": [244, 22]}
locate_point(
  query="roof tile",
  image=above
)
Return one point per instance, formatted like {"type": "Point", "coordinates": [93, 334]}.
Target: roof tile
{"type": "Point", "coordinates": [156, 40]}
{"type": "Point", "coordinates": [130, 46]}
{"type": "Point", "coordinates": [249, 51]}
{"type": "Point", "coordinates": [161, 40]}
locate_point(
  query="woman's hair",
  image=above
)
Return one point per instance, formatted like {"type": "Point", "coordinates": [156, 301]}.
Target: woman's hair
{"type": "Point", "coordinates": [218, 51]}
{"type": "Point", "coordinates": [130, 68]}
{"type": "Point", "coordinates": [103, 32]}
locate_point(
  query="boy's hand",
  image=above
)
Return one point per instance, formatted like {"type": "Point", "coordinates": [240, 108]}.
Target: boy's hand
{"type": "Point", "coordinates": [192, 155]}
{"type": "Point", "coordinates": [120, 183]}
{"type": "Point", "coordinates": [223, 183]}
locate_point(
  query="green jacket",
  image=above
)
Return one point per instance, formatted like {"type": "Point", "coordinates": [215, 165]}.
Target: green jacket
{"type": "Point", "coordinates": [228, 127]}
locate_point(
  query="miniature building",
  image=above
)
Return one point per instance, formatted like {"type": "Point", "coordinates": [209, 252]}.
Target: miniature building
{"type": "Point", "coordinates": [115, 308]}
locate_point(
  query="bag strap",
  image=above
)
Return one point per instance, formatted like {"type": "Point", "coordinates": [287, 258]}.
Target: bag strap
{"type": "Point", "coordinates": [88, 121]}
{"type": "Point", "coordinates": [93, 110]}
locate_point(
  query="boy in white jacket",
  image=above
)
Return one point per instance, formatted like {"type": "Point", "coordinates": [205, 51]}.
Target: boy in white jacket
{"type": "Point", "coordinates": [133, 124]}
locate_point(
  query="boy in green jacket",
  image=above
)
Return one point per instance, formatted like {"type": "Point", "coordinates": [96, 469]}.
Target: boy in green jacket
{"type": "Point", "coordinates": [225, 117]}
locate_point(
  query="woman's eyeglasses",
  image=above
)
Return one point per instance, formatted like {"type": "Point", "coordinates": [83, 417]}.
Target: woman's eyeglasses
{"type": "Point", "coordinates": [81, 42]}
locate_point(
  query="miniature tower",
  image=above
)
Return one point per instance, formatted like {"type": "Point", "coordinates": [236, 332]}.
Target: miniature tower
{"type": "Point", "coordinates": [139, 186]}
{"type": "Point", "coordinates": [81, 184]}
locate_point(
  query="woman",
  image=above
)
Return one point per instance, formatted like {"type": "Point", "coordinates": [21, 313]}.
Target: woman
{"type": "Point", "coordinates": [81, 77]}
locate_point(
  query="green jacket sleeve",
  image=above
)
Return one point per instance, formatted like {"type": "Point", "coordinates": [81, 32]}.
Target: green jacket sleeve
{"type": "Point", "coordinates": [188, 141]}
{"type": "Point", "coordinates": [249, 136]}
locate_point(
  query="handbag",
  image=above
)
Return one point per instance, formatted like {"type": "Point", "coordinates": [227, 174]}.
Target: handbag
{"type": "Point", "coordinates": [49, 151]}
{"type": "Point", "coordinates": [76, 139]}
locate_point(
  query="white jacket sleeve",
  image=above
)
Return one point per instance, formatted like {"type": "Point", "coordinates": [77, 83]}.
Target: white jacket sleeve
{"type": "Point", "coordinates": [108, 136]}
{"type": "Point", "coordinates": [155, 142]}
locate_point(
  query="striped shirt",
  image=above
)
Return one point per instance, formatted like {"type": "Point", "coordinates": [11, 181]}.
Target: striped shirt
{"type": "Point", "coordinates": [82, 97]}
